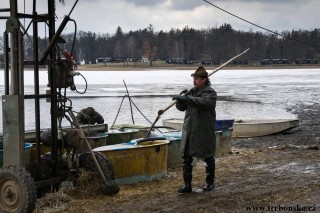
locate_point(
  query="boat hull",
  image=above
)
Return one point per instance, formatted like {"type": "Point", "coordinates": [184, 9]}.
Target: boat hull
{"type": "Point", "coordinates": [256, 128]}
{"type": "Point", "coordinates": [174, 123]}
{"type": "Point", "coordinates": [247, 128]}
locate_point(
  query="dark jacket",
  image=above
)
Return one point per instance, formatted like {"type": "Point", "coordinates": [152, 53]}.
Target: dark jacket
{"type": "Point", "coordinates": [95, 118]}
{"type": "Point", "coordinates": [199, 123]}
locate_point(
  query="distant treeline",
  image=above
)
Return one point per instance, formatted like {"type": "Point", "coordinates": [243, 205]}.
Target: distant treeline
{"type": "Point", "coordinates": [212, 44]}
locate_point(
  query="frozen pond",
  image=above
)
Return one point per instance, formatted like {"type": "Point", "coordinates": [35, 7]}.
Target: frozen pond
{"type": "Point", "coordinates": [242, 93]}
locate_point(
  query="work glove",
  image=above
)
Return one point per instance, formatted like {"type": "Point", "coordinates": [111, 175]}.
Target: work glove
{"type": "Point", "coordinates": [183, 91]}
{"type": "Point", "coordinates": [180, 98]}
{"type": "Point", "coordinates": [94, 119]}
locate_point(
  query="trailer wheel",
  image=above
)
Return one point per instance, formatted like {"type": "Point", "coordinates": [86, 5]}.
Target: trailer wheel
{"type": "Point", "coordinates": [18, 190]}
{"type": "Point", "coordinates": [86, 162]}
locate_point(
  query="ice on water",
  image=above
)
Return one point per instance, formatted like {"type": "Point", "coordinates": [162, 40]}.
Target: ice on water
{"type": "Point", "coordinates": [242, 93]}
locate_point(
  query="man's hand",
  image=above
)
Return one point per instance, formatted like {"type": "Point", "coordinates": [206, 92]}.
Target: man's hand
{"type": "Point", "coordinates": [180, 98]}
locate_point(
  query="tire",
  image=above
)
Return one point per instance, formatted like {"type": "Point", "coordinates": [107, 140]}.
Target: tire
{"type": "Point", "coordinates": [18, 190]}
{"type": "Point", "coordinates": [86, 162]}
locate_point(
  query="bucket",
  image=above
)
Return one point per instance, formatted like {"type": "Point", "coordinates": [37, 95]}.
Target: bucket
{"type": "Point", "coordinates": [27, 148]}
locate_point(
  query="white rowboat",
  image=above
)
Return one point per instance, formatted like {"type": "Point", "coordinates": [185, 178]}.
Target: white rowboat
{"type": "Point", "coordinates": [263, 127]}
{"type": "Point", "coordinates": [248, 128]}
{"type": "Point", "coordinates": [175, 123]}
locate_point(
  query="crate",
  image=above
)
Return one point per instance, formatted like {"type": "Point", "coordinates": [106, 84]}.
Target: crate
{"type": "Point", "coordinates": [27, 149]}
{"type": "Point", "coordinates": [224, 124]}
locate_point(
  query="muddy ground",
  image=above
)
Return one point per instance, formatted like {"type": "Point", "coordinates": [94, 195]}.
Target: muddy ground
{"type": "Point", "coordinates": [279, 173]}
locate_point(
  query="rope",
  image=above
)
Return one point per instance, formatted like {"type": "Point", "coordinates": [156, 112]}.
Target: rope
{"type": "Point", "coordinates": [140, 111]}
{"type": "Point", "coordinates": [249, 22]}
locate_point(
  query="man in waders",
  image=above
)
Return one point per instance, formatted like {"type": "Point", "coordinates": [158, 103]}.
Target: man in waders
{"type": "Point", "coordinates": [198, 133]}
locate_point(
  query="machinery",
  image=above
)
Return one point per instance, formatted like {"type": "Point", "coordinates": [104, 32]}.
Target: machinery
{"type": "Point", "coordinates": [20, 182]}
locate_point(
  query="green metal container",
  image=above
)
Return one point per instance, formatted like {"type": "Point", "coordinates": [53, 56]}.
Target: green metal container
{"type": "Point", "coordinates": [174, 156]}
{"type": "Point", "coordinates": [95, 141]}
{"type": "Point", "coordinates": [223, 143]}
{"type": "Point", "coordinates": [117, 136]}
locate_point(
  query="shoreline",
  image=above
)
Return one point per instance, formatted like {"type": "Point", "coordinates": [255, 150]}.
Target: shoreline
{"type": "Point", "coordinates": [147, 67]}
{"type": "Point", "coordinates": [118, 67]}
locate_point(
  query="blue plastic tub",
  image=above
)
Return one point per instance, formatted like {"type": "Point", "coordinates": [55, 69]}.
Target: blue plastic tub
{"type": "Point", "coordinates": [224, 124]}
{"type": "Point", "coordinates": [27, 148]}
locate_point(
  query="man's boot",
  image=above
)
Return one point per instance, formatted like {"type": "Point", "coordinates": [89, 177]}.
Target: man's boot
{"type": "Point", "coordinates": [210, 170]}
{"type": "Point", "coordinates": [187, 178]}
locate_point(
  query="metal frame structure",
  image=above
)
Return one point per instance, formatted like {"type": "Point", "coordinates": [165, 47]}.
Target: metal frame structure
{"type": "Point", "coordinates": [13, 100]}
{"type": "Point", "coordinates": [21, 182]}
{"type": "Point", "coordinates": [18, 183]}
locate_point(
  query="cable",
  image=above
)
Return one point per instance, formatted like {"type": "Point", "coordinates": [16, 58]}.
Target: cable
{"type": "Point", "coordinates": [284, 36]}
{"type": "Point", "coordinates": [85, 84]}
{"type": "Point", "coordinates": [74, 35]}
{"type": "Point", "coordinates": [140, 111]}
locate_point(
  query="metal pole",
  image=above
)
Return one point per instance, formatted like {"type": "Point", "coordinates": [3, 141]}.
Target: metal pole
{"type": "Point", "coordinates": [6, 62]}
{"type": "Point", "coordinates": [129, 101]}
{"type": "Point", "coordinates": [53, 89]}
{"type": "Point", "coordinates": [12, 102]}
{"type": "Point", "coordinates": [36, 92]}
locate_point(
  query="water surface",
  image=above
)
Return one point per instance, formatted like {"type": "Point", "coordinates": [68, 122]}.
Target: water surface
{"type": "Point", "coordinates": [242, 93]}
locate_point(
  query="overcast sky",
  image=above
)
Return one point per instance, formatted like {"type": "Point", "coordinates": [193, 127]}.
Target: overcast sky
{"type": "Point", "coordinates": [104, 16]}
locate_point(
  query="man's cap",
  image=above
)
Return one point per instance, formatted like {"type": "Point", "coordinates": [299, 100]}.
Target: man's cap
{"type": "Point", "coordinates": [200, 72]}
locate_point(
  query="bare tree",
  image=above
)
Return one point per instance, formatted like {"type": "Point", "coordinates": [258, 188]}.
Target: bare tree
{"type": "Point", "coordinates": [149, 44]}
{"type": "Point", "coordinates": [1, 45]}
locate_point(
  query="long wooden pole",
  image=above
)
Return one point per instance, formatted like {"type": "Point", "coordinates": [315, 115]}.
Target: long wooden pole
{"type": "Point", "coordinates": [161, 111]}
{"type": "Point", "coordinates": [129, 101]}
